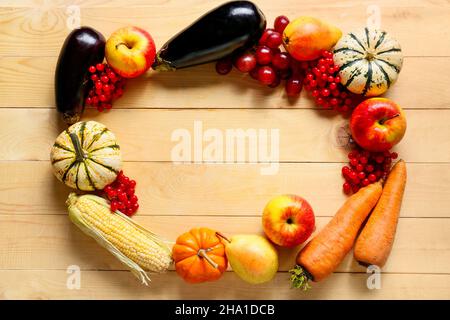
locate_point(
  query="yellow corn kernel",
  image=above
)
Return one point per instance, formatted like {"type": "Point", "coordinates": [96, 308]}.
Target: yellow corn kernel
{"type": "Point", "coordinates": [133, 245]}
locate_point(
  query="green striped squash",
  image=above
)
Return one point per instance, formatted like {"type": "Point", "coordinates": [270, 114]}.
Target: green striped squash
{"type": "Point", "coordinates": [369, 61]}
{"type": "Point", "coordinates": [86, 156]}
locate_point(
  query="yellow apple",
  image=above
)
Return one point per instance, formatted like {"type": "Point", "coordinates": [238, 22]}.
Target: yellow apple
{"type": "Point", "coordinates": [288, 220]}
{"type": "Point", "coordinates": [130, 51]}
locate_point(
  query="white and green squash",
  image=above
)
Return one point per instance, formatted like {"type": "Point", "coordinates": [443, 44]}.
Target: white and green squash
{"type": "Point", "coordinates": [86, 156]}
{"type": "Point", "coordinates": [369, 61]}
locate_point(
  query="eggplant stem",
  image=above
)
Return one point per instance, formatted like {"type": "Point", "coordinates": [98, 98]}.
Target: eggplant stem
{"type": "Point", "coordinates": [162, 65]}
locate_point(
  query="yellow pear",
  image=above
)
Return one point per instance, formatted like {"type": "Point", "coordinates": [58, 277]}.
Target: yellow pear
{"type": "Point", "coordinates": [253, 258]}
{"type": "Point", "coordinates": [306, 37]}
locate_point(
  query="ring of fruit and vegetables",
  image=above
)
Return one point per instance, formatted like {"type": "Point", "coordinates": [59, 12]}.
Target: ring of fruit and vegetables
{"type": "Point", "coordinates": [338, 71]}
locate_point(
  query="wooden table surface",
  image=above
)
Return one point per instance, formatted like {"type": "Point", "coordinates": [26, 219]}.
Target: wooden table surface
{"type": "Point", "coordinates": [38, 243]}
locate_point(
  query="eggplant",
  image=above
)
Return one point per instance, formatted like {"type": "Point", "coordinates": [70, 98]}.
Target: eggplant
{"type": "Point", "coordinates": [82, 48]}
{"type": "Point", "coordinates": [227, 28]}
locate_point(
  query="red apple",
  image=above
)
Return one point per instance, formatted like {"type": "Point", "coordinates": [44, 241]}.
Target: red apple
{"type": "Point", "coordinates": [288, 220]}
{"type": "Point", "coordinates": [130, 51]}
{"type": "Point", "coordinates": [377, 124]}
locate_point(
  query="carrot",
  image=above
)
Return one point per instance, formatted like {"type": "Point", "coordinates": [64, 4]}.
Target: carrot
{"type": "Point", "coordinates": [321, 256]}
{"type": "Point", "coordinates": [377, 237]}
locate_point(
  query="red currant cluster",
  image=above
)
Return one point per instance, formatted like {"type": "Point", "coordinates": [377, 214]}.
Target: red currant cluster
{"type": "Point", "coordinates": [266, 62]}
{"type": "Point", "coordinates": [323, 81]}
{"type": "Point", "coordinates": [106, 87]}
{"type": "Point", "coordinates": [365, 168]}
{"type": "Point", "coordinates": [121, 194]}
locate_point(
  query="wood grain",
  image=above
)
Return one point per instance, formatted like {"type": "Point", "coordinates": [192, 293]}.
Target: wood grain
{"type": "Point", "coordinates": [145, 135]}
{"type": "Point", "coordinates": [38, 242]}
{"type": "Point", "coordinates": [39, 30]}
{"type": "Point", "coordinates": [53, 243]}
{"type": "Point", "coordinates": [36, 284]}
{"type": "Point", "coordinates": [225, 190]}
{"type": "Point", "coordinates": [168, 89]}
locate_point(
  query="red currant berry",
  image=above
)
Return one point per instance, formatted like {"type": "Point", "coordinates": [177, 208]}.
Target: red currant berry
{"type": "Point", "coordinates": [263, 55]}
{"type": "Point", "coordinates": [281, 61]}
{"type": "Point", "coordinates": [347, 187]}
{"type": "Point", "coordinates": [114, 206]}
{"type": "Point", "coordinates": [293, 87]}
{"type": "Point", "coordinates": [246, 62]}
{"type": "Point", "coordinates": [281, 23]}
{"type": "Point", "coordinates": [224, 66]}
{"type": "Point", "coordinates": [266, 75]}
{"type": "Point", "coordinates": [98, 85]}
{"type": "Point", "coordinates": [122, 196]}
{"type": "Point", "coordinates": [133, 199]}
{"type": "Point", "coordinates": [92, 69]}
{"type": "Point", "coordinates": [274, 40]}
{"type": "Point", "coordinates": [275, 83]}
{"type": "Point", "coordinates": [354, 162]}
{"type": "Point", "coordinates": [379, 159]}
{"type": "Point", "coordinates": [265, 35]}
{"type": "Point", "coordinates": [345, 170]}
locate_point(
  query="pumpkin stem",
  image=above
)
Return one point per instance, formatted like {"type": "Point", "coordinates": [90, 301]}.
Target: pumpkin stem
{"type": "Point", "coordinates": [370, 55]}
{"type": "Point", "coordinates": [220, 235]}
{"type": "Point", "coordinates": [77, 146]}
{"type": "Point", "coordinates": [202, 253]}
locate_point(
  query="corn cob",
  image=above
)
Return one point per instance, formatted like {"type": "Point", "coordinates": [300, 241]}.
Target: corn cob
{"type": "Point", "coordinates": [139, 249]}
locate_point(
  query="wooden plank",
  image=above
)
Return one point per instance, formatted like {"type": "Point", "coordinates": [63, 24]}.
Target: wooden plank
{"type": "Point", "coordinates": [53, 243]}
{"type": "Point", "coordinates": [228, 190]}
{"type": "Point", "coordinates": [168, 89]}
{"type": "Point", "coordinates": [145, 135]}
{"type": "Point", "coordinates": [41, 29]}
{"type": "Point", "coordinates": [33, 284]}
{"type": "Point", "coordinates": [175, 4]}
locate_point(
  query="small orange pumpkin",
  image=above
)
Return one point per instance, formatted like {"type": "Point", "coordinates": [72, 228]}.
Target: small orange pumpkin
{"type": "Point", "coordinates": [199, 256]}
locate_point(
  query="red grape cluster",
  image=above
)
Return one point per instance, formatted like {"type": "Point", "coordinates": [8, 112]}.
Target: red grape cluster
{"type": "Point", "coordinates": [366, 167]}
{"type": "Point", "coordinates": [323, 81]}
{"type": "Point", "coordinates": [266, 62]}
{"type": "Point", "coordinates": [106, 87]}
{"type": "Point", "coordinates": [121, 194]}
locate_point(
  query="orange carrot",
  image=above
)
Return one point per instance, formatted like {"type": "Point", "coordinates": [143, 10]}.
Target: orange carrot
{"type": "Point", "coordinates": [321, 256]}
{"type": "Point", "coordinates": [375, 241]}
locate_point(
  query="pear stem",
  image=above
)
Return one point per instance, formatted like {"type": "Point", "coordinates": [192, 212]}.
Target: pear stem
{"type": "Point", "coordinates": [203, 253]}
{"type": "Point", "coordinates": [220, 235]}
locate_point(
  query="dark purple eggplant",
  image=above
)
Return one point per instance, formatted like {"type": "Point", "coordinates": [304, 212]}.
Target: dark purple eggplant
{"type": "Point", "coordinates": [231, 26]}
{"type": "Point", "coordinates": [82, 48]}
